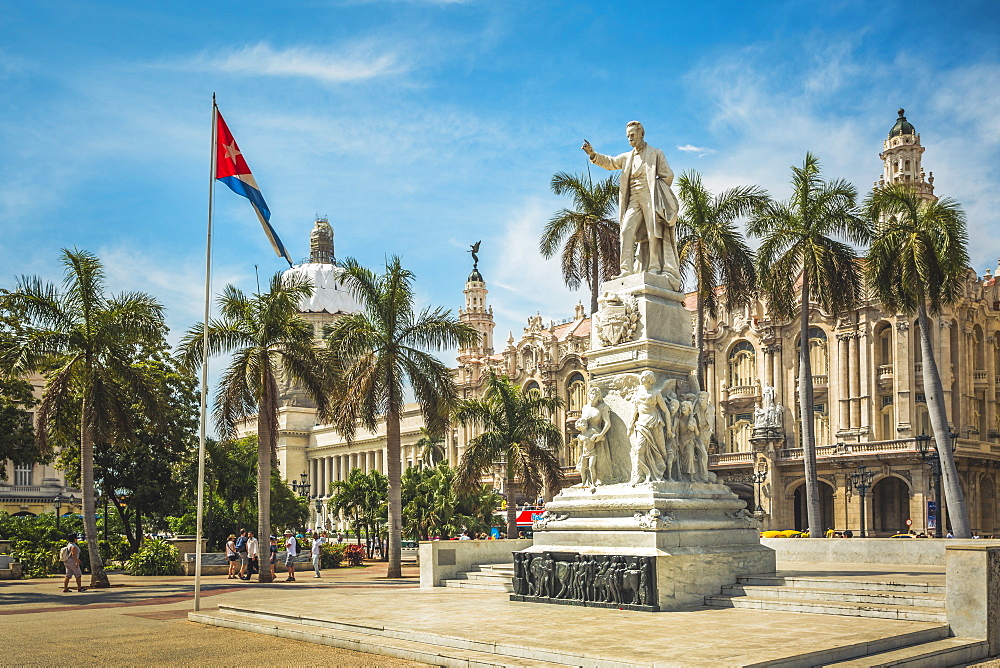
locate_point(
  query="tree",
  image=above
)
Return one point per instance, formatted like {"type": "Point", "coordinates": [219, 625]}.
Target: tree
{"type": "Point", "coordinates": [517, 436]}
{"type": "Point", "coordinates": [588, 235]}
{"type": "Point", "coordinates": [376, 352]}
{"type": "Point", "coordinates": [713, 250]}
{"type": "Point", "coordinates": [799, 245]}
{"type": "Point", "coordinates": [431, 448]}
{"type": "Point", "coordinates": [434, 506]}
{"type": "Point", "coordinates": [916, 264]}
{"type": "Point", "coordinates": [17, 434]}
{"type": "Point", "coordinates": [266, 336]}
{"type": "Point", "coordinates": [88, 341]}
{"type": "Point", "coordinates": [365, 497]}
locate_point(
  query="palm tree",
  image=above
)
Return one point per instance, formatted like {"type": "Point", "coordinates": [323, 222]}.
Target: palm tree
{"type": "Point", "coordinates": [266, 336]}
{"type": "Point", "coordinates": [917, 264]}
{"type": "Point", "coordinates": [710, 246]}
{"type": "Point", "coordinates": [88, 342]}
{"type": "Point", "coordinates": [517, 435]}
{"type": "Point", "coordinates": [379, 350]}
{"type": "Point", "coordinates": [591, 251]}
{"type": "Point", "coordinates": [431, 448]}
{"type": "Point", "coordinates": [799, 245]}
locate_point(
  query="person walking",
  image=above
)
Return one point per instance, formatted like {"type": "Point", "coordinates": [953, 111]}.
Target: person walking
{"type": "Point", "coordinates": [253, 554]}
{"type": "Point", "coordinates": [273, 555]}
{"type": "Point", "coordinates": [231, 556]}
{"type": "Point", "coordinates": [317, 552]}
{"type": "Point", "coordinates": [241, 551]}
{"type": "Point", "coordinates": [70, 556]}
{"type": "Point", "coordinates": [291, 551]}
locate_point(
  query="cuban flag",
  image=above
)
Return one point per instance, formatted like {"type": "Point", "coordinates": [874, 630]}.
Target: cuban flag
{"type": "Point", "coordinates": [231, 168]}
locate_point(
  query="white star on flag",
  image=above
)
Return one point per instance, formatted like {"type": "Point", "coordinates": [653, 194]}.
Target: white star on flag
{"type": "Point", "coordinates": [232, 151]}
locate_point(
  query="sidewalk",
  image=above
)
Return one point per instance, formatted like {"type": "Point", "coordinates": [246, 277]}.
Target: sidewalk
{"type": "Point", "coordinates": [143, 621]}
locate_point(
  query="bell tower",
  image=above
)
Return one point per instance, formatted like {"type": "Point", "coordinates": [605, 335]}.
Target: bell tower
{"type": "Point", "coordinates": [477, 314]}
{"type": "Point", "coordinates": [901, 153]}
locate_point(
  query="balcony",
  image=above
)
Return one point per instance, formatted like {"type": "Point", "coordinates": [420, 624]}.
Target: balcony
{"type": "Point", "coordinates": [730, 458]}
{"type": "Point", "coordinates": [741, 391]}
{"type": "Point", "coordinates": [853, 449]}
{"type": "Point", "coordinates": [980, 377]}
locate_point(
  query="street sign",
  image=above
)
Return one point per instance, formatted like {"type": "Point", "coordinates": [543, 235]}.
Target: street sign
{"type": "Point", "coordinates": [909, 523]}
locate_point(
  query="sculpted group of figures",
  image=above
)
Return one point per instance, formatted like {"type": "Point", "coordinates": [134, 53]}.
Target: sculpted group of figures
{"type": "Point", "coordinates": [587, 578]}
{"type": "Point", "coordinates": [668, 435]}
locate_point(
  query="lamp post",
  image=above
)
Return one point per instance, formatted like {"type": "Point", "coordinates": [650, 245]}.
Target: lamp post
{"type": "Point", "coordinates": [862, 481]}
{"type": "Point", "coordinates": [758, 478]}
{"type": "Point", "coordinates": [57, 502]}
{"type": "Point", "coordinates": [933, 460]}
{"type": "Point", "coordinates": [319, 511]}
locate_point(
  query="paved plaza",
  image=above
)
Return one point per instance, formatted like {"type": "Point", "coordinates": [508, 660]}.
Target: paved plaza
{"type": "Point", "coordinates": [144, 621]}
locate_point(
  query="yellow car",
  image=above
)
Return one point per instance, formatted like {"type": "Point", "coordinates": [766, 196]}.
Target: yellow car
{"type": "Point", "coordinates": [787, 533]}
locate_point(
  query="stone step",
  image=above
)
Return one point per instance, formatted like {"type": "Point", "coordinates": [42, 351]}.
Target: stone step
{"type": "Point", "coordinates": [917, 599]}
{"type": "Point", "coordinates": [498, 568]}
{"type": "Point", "coordinates": [479, 585]}
{"type": "Point", "coordinates": [360, 641]}
{"type": "Point", "coordinates": [834, 583]}
{"type": "Point", "coordinates": [439, 649]}
{"type": "Point", "coordinates": [934, 654]}
{"type": "Point", "coordinates": [483, 575]}
{"type": "Point", "coordinates": [820, 607]}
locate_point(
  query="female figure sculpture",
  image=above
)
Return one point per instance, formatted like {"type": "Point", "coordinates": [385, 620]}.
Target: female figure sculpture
{"type": "Point", "coordinates": [687, 436]}
{"type": "Point", "coordinates": [651, 426]}
{"type": "Point", "coordinates": [593, 425]}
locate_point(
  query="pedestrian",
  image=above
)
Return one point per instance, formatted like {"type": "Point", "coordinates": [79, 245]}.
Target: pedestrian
{"type": "Point", "coordinates": [317, 552]}
{"type": "Point", "coordinates": [340, 537]}
{"type": "Point", "coordinates": [274, 555]}
{"type": "Point", "coordinates": [70, 556]}
{"type": "Point", "coordinates": [291, 551]}
{"type": "Point", "coordinates": [465, 535]}
{"type": "Point", "coordinates": [231, 556]}
{"type": "Point", "coordinates": [253, 554]}
{"type": "Point", "coordinates": [241, 551]}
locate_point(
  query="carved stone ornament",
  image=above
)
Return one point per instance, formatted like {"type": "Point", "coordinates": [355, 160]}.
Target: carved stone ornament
{"type": "Point", "coordinates": [902, 326]}
{"type": "Point", "coordinates": [601, 581]}
{"type": "Point", "coordinates": [653, 519]}
{"type": "Point", "coordinates": [618, 319]}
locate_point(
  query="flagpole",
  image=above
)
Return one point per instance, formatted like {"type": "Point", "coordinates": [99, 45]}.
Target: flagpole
{"type": "Point", "coordinates": [204, 366]}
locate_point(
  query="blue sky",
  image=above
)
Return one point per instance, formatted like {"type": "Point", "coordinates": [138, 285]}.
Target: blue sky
{"type": "Point", "coordinates": [420, 127]}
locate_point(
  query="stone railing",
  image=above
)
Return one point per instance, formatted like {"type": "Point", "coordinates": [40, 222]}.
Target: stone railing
{"type": "Point", "coordinates": [743, 391]}
{"type": "Point", "coordinates": [821, 380]}
{"type": "Point", "coordinates": [730, 458]}
{"type": "Point", "coordinates": [842, 449]}
{"type": "Point", "coordinates": [885, 372]}
{"type": "Point", "coordinates": [979, 376]}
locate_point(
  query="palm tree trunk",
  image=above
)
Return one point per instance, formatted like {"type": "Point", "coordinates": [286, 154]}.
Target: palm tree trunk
{"type": "Point", "coordinates": [595, 274]}
{"type": "Point", "coordinates": [958, 512]}
{"type": "Point", "coordinates": [806, 417]}
{"type": "Point", "coordinates": [264, 438]}
{"type": "Point", "coordinates": [395, 470]}
{"type": "Point", "coordinates": [98, 577]}
{"type": "Point", "coordinates": [511, 508]}
{"type": "Point", "coordinates": [699, 340]}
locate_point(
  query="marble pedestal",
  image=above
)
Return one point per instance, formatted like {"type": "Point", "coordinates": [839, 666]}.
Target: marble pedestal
{"type": "Point", "coordinates": [699, 534]}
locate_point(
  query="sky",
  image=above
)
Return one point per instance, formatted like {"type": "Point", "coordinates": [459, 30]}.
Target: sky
{"type": "Point", "coordinates": [419, 127]}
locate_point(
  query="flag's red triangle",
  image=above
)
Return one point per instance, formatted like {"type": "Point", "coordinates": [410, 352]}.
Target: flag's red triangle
{"type": "Point", "coordinates": [228, 159]}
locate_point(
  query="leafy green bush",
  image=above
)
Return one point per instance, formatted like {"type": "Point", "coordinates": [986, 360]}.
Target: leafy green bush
{"type": "Point", "coordinates": [355, 554]}
{"type": "Point", "coordinates": [155, 557]}
{"type": "Point", "coordinates": [331, 555]}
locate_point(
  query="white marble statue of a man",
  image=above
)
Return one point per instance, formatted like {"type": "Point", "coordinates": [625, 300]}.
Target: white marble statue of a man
{"type": "Point", "coordinates": [647, 207]}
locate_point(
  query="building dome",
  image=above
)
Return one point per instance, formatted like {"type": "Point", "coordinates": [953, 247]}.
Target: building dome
{"type": "Point", "coordinates": [475, 276]}
{"type": "Point", "coordinates": [902, 126]}
{"type": "Point", "coordinates": [329, 295]}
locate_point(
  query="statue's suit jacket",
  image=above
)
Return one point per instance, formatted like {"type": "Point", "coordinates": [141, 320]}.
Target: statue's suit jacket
{"type": "Point", "coordinates": [659, 178]}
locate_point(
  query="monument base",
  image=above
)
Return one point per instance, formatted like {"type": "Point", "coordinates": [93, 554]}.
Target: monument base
{"type": "Point", "coordinates": [663, 545]}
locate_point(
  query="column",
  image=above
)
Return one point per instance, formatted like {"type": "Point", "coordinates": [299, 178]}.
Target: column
{"type": "Point", "coordinates": [354, 462]}
{"type": "Point", "coordinates": [855, 359]}
{"type": "Point", "coordinates": [867, 372]}
{"type": "Point", "coordinates": [843, 385]}
{"type": "Point", "coordinates": [946, 366]}
{"type": "Point", "coordinates": [338, 468]}
{"type": "Point", "coordinates": [329, 476]}
{"type": "Point", "coordinates": [313, 466]}
{"type": "Point", "coordinates": [380, 460]}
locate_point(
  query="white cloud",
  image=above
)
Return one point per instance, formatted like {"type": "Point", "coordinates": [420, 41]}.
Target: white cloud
{"type": "Point", "coordinates": [690, 148]}
{"type": "Point", "coordinates": [360, 62]}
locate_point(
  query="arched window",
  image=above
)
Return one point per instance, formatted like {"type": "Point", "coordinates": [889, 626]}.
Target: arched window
{"type": "Point", "coordinates": [817, 351]}
{"type": "Point", "coordinates": [887, 418]}
{"type": "Point", "coordinates": [742, 365]}
{"type": "Point", "coordinates": [740, 428]}
{"type": "Point", "coordinates": [885, 345]}
{"type": "Point", "coordinates": [531, 385]}
{"type": "Point", "coordinates": [922, 425]}
{"type": "Point", "coordinates": [821, 425]}
{"type": "Point", "coordinates": [576, 391]}
{"type": "Point", "coordinates": [979, 342]}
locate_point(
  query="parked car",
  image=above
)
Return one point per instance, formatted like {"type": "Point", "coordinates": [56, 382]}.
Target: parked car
{"type": "Point", "coordinates": [787, 533]}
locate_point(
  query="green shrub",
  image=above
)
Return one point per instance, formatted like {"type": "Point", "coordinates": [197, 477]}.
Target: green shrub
{"type": "Point", "coordinates": [331, 555]}
{"type": "Point", "coordinates": [155, 557]}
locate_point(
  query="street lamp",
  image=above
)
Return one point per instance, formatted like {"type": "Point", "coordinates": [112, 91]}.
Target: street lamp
{"type": "Point", "coordinates": [758, 478]}
{"type": "Point", "coordinates": [57, 502]}
{"type": "Point", "coordinates": [319, 511]}
{"type": "Point", "coordinates": [862, 481]}
{"type": "Point", "coordinates": [933, 460]}
{"type": "Point", "coordinates": [301, 488]}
